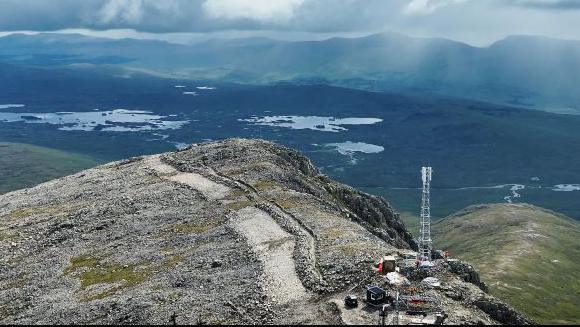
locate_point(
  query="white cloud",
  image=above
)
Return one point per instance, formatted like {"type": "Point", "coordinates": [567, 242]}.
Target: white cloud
{"type": "Point", "coordinates": [270, 11]}
{"type": "Point", "coordinates": [130, 11]}
{"type": "Point", "coordinates": [134, 11]}
{"type": "Point", "coordinates": [424, 7]}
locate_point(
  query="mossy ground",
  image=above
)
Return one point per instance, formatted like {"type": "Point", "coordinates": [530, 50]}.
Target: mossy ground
{"type": "Point", "coordinates": [241, 204]}
{"type": "Point", "coordinates": [194, 228]}
{"type": "Point", "coordinates": [265, 185]}
{"type": "Point", "coordinates": [92, 271]}
{"type": "Point", "coordinates": [235, 193]}
{"type": "Point", "coordinates": [289, 202]}
{"type": "Point", "coordinates": [96, 272]}
{"type": "Point", "coordinates": [172, 261]}
{"type": "Point", "coordinates": [528, 256]}
{"type": "Point", "coordinates": [26, 212]}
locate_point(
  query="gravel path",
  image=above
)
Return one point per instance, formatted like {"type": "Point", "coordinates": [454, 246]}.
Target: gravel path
{"type": "Point", "coordinates": [274, 248]}
{"type": "Point", "coordinates": [210, 189]}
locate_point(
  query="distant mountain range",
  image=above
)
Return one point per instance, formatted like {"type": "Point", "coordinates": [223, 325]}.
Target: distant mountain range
{"type": "Point", "coordinates": [527, 71]}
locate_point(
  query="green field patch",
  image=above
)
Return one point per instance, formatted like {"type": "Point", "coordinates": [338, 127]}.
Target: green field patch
{"type": "Point", "coordinates": [172, 261]}
{"type": "Point", "coordinates": [92, 271]}
{"type": "Point", "coordinates": [235, 193]}
{"type": "Point", "coordinates": [102, 295]}
{"type": "Point", "coordinates": [289, 202]}
{"type": "Point", "coordinates": [265, 185]}
{"type": "Point", "coordinates": [56, 210]}
{"type": "Point", "coordinates": [129, 274]}
{"type": "Point", "coordinates": [25, 165]}
{"type": "Point", "coordinates": [83, 261]}
{"type": "Point", "coordinates": [530, 257]}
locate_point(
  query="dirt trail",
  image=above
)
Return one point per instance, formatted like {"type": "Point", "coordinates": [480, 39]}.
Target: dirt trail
{"type": "Point", "coordinates": [274, 247]}
{"type": "Point", "coordinates": [305, 243]}
{"type": "Point", "coordinates": [210, 189]}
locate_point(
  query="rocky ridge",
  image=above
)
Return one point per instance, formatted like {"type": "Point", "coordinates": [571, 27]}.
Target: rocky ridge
{"type": "Point", "coordinates": [239, 231]}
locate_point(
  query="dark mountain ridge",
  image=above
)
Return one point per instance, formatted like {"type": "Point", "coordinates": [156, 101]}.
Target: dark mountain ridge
{"type": "Point", "coordinates": [533, 72]}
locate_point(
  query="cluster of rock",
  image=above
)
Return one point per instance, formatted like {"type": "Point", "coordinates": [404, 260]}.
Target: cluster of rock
{"type": "Point", "coordinates": [467, 273]}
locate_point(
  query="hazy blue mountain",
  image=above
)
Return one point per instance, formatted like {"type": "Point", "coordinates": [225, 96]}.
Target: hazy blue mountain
{"type": "Point", "coordinates": [527, 71]}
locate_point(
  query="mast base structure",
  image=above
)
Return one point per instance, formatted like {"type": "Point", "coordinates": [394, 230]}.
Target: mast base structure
{"type": "Point", "coordinates": [425, 241]}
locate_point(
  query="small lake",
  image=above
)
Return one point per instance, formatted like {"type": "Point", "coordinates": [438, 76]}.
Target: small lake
{"type": "Point", "coordinates": [118, 120]}
{"type": "Point", "coordinates": [8, 106]}
{"type": "Point", "coordinates": [566, 187]}
{"type": "Point", "coordinates": [349, 148]}
{"type": "Point", "coordinates": [316, 123]}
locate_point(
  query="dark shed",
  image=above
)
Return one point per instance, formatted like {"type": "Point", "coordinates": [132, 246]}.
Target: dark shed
{"type": "Point", "coordinates": [375, 295]}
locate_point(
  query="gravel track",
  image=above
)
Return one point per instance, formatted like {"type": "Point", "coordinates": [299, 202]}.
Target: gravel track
{"type": "Point", "coordinates": [274, 247]}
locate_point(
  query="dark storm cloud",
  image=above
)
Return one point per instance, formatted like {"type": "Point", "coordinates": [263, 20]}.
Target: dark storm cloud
{"type": "Point", "coordinates": [44, 15]}
{"type": "Point", "coordinates": [550, 4]}
{"type": "Point", "coordinates": [477, 21]}
{"type": "Point", "coordinates": [146, 15]}
{"type": "Point", "coordinates": [197, 15]}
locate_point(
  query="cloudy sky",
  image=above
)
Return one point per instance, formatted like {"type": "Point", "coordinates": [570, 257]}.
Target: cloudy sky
{"type": "Point", "coordinates": [477, 22]}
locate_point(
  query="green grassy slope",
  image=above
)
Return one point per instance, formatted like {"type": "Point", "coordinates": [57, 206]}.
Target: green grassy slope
{"type": "Point", "coordinates": [24, 165]}
{"type": "Point", "coordinates": [411, 220]}
{"type": "Point", "coordinates": [529, 256]}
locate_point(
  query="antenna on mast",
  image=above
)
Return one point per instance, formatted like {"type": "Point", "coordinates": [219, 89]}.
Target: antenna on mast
{"type": "Point", "coordinates": [425, 242]}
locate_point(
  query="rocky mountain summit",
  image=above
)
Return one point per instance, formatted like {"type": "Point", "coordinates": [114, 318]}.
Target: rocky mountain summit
{"type": "Point", "coordinates": [239, 231]}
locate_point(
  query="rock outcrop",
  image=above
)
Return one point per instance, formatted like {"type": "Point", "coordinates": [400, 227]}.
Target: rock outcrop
{"type": "Point", "coordinates": [467, 273]}
{"type": "Point", "coordinates": [239, 231]}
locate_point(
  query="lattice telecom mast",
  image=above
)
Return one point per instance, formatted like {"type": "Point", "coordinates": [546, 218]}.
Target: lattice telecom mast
{"type": "Point", "coordinates": [425, 240]}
